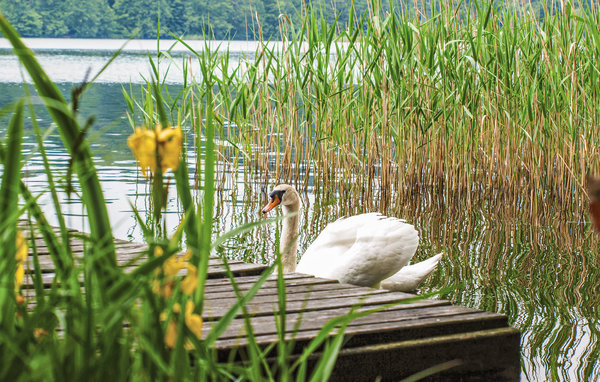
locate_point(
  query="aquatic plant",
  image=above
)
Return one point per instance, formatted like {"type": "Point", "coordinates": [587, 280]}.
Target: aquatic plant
{"type": "Point", "coordinates": [478, 123]}
{"type": "Point", "coordinates": [475, 103]}
{"type": "Point", "coordinates": [95, 320]}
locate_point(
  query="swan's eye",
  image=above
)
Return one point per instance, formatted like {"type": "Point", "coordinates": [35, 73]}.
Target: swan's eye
{"type": "Point", "coordinates": [278, 193]}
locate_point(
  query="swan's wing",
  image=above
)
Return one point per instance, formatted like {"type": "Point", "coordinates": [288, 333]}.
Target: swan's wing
{"type": "Point", "coordinates": [409, 277]}
{"type": "Point", "coordinates": [361, 250]}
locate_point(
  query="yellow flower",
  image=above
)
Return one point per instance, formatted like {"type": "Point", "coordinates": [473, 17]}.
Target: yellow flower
{"type": "Point", "coordinates": [39, 334]}
{"type": "Point", "coordinates": [170, 141]}
{"type": "Point", "coordinates": [173, 265]}
{"type": "Point", "coordinates": [190, 282]}
{"type": "Point", "coordinates": [19, 276]}
{"type": "Point", "coordinates": [170, 268]}
{"type": "Point", "coordinates": [144, 143]}
{"type": "Point", "coordinates": [176, 308]}
{"type": "Point", "coordinates": [171, 334]}
{"type": "Point", "coordinates": [164, 288]}
{"type": "Point", "coordinates": [192, 320]}
{"type": "Point", "coordinates": [21, 256]}
{"type": "Point", "coordinates": [163, 316]}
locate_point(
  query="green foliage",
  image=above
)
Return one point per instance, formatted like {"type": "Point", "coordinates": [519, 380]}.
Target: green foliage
{"type": "Point", "coordinates": [139, 17]}
{"type": "Point", "coordinates": [90, 18]}
{"type": "Point", "coordinates": [75, 329]}
{"type": "Point", "coordinates": [28, 19]}
{"type": "Point", "coordinates": [58, 18]}
{"type": "Point", "coordinates": [124, 18]}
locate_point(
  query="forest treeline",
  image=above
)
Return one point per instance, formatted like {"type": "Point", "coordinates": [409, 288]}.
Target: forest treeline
{"type": "Point", "coordinates": [229, 19]}
{"type": "Point", "coordinates": [241, 20]}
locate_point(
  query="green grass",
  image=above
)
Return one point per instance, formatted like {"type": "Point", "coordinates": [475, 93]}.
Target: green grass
{"type": "Point", "coordinates": [473, 104]}
{"type": "Point", "coordinates": [476, 103]}
{"type": "Point", "coordinates": [97, 322]}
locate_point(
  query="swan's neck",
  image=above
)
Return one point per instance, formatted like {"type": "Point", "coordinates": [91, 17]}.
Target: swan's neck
{"type": "Point", "coordinates": [288, 244]}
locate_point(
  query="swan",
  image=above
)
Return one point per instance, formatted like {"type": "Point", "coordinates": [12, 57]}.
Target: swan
{"type": "Point", "coordinates": [367, 250]}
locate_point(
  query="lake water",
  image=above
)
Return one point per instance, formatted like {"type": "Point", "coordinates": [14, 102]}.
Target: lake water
{"type": "Point", "coordinates": [543, 273]}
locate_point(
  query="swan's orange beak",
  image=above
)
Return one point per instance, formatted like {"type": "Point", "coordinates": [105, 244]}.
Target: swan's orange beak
{"type": "Point", "coordinates": [272, 204]}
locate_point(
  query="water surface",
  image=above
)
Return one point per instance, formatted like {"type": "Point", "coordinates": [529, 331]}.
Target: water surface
{"type": "Point", "coordinates": [542, 272]}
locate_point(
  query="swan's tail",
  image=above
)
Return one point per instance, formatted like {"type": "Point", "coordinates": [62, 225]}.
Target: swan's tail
{"type": "Point", "coordinates": [409, 277]}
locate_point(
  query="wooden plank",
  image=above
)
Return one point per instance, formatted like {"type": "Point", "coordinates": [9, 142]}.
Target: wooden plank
{"type": "Point", "coordinates": [124, 251]}
{"type": "Point", "coordinates": [213, 272]}
{"type": "Point", "coordinates": [301, 286]}
{"type": "Point", "coordinates": [77, 241]}
{"type": "Point", "coordinates": [392, 343]}
{"type": "Point", "coordinates": [216, 309]}
{"type": "Point", "coordinates": [248, 281]}
{"type": "Point", "coordinates": [360, 334]}
{"type": "Point", "coordinates": [293, 295]}
{"type": "Point", "coordinates": [132, 258]}
{"type": "Point", "coordinates": [314, 321]}
{"type": "Point", "coordinates": [486, 355]}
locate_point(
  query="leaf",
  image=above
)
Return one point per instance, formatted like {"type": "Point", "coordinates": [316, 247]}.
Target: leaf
{"type": "Point", "coordinates": [9, 192]}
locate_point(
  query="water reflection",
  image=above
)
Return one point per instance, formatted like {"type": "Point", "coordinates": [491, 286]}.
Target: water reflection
{"type": "Point", "coordinates": [543, 275]}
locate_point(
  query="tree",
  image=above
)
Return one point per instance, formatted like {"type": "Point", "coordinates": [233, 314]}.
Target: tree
{"type": "Point", "coordinates": [216, 13]}
{"type": "Point", "coordinates": [53, 14]}
{"type": "Point", "coordinates": [243, 20]}
{"type": "Point", "coordinates": [139, 16]}
{"type": "Point", "coordinates": [90, 18]}
{"type": "Point", "coordinates": [19, 13]}
{"type": "Point", "coordinates": [269, 19]}
{"type": "Point", "coordinates": [180, 17]}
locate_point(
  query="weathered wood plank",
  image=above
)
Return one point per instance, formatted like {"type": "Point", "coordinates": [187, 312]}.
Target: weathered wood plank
{"type": "Point", "coordinates": [248, 281]}
{"type": "Point", "coordinates": [216, 271]}
{"type": "Point", "coordinates": [132, 258]}
{"type": "Point", "coordinates": [486, 355]}
{"type": "Point", "coordinates": [368, 333]}
{"type": "Point", "coordinates": [314, 321]}
{"type": "Point", "coordinates": [215, 309]}
{"type": "Point", "coordinates": [295, 293]}
{"type": "Point", "coordinates": [301, 286]}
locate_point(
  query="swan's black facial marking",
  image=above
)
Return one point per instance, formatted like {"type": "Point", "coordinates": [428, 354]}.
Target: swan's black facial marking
{"type": "Point", "coordinates": [276, 198]}
{"type": "Point", "coordinates": [278, 193]}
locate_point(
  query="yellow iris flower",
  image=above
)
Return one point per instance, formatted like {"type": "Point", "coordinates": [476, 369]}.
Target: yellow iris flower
{"type": "Point", "coordinates": [190, 282]}
{"type": "Point", "coordinates": [39, 334]}
{"type": "Point", "coordinates": [145, 142]}
{"type": "Point", "coordinates": [174, 264]}
{"type": "Point", "coordinates": [193, 321]}
{"type": "Point", "coordinates": [171, 268]}
{"type": "Point", "coordinates": [171, 334]}
{"type": "Point", "coordinates": [21, 256]}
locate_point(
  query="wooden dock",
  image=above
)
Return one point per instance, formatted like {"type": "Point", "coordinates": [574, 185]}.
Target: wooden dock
{"type": "Point", "coordinates": [391, 344]}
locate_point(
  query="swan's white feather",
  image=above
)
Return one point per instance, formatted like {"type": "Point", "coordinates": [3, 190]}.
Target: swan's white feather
{"type": "Point", "coordinates": [361, 250]}
{"type": "Point", "coordinates": [409, 277]}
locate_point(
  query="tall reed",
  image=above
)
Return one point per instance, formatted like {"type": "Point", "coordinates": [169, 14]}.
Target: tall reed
{"type": "Point", "coordinates": [474, 103]}
{"type": "Point", "coordinates": [96, 321]}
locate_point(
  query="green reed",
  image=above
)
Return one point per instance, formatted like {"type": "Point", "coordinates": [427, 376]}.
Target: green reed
{"type": "Point", "coordinates": [98, 322]}
{"type": "Point", "coordinates": [470, 102]}
{"type": "Point", "coordinates": [487, 108]}
{"type": "Point", "coordinates": [492, 108]}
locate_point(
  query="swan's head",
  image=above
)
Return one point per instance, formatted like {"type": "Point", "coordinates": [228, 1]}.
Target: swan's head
{"type": "Point", "coordinates": [284, 195]}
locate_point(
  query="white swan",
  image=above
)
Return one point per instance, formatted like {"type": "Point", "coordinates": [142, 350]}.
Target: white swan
{"type": "Point", "coordinates": [368, 250]}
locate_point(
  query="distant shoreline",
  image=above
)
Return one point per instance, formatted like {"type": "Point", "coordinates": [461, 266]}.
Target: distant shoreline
{"type": "Point", "coordinates": [136, 45]}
